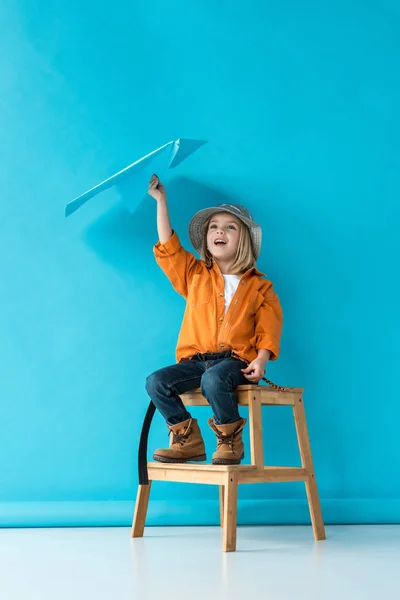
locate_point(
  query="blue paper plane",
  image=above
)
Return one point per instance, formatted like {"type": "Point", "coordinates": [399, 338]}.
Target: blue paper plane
{"type": "Point", "coordinates": [134, 179]}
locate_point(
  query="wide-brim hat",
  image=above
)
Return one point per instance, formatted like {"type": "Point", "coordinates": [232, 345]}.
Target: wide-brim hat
{"type": "Point", "coordinates": [196, 225]}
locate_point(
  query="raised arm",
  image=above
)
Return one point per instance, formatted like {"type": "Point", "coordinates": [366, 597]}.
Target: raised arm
{"type": "Point", "coordinates": [178, 264]}
{"type": "Point", "coordinates": [157, 191]}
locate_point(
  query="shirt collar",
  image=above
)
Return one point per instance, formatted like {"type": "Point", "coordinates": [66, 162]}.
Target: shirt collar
{"type": "Point", "coordinates": [248, 273]}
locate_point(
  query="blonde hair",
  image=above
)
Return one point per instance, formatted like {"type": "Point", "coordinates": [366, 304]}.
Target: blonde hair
{"type": "Point", "coordinates": [244, 258]}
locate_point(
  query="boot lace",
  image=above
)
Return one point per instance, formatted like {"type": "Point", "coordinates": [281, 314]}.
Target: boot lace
{"type": "Point", "coordinates": [180, 438]}
{"type": "Point", "coordinates": [228, 440]}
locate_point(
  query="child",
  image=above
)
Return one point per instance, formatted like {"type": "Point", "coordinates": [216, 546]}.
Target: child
{"type": "Point", "coordinates": [230, 308]}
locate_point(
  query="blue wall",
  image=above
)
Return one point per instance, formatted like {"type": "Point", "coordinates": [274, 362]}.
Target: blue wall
{"type": "Point", "coordinates": [300, 103]}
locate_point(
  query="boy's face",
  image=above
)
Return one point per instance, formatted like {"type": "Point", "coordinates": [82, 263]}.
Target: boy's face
{"type": "Point", "coordinates": [223, 236]}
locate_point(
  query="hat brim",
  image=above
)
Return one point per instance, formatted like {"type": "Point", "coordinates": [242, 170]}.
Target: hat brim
{"type": "Point", "coordinates": [197, 222]}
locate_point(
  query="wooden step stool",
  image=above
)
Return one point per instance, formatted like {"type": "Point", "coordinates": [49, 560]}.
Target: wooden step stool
{"type": "Point", "coordinates": [227, 477]}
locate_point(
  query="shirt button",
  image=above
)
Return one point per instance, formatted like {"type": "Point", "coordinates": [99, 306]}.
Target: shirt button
{"type": "Point", "coordinates": [221, 294]}
{"type": "Point", "coordinates": [221, 346]}
{"type": "Point", "coordinates": [221, 318]}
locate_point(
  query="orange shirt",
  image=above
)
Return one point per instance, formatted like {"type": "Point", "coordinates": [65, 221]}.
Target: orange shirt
{"type": "Point", "coordinates": [252, 321]}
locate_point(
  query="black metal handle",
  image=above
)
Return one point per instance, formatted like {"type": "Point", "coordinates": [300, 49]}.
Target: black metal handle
{"type": "Point", "coordinates": [142, 455]}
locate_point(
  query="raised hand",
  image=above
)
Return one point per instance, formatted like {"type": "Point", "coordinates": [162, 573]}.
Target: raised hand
{"type": "Point", "coordinates": [156, 189]}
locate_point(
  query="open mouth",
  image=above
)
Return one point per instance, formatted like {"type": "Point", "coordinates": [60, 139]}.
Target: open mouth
{"type": "Point", "coordinates": [219, 242]}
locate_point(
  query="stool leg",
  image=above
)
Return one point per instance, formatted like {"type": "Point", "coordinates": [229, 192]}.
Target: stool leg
{"type": "Point", "coordinates": [307, 463]}
{"type": "Point", "coordinates": [221, 504]}
{"type": "Point", "coordinates": [315, 509]}
{"type": "Point", "coordinates": [230, 512]}
{"type": "Point", "coordinates": [139, 518]}
{"type": "Point", "coordinates": [255, 424]}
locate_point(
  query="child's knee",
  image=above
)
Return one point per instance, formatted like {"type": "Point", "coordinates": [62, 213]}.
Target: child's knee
{"type": "Point", "coordinates": [154, 382]}
{"type": "Point", "coordinates": [211, 382]}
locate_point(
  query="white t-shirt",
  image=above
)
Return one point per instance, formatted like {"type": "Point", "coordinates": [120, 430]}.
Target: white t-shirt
{"type": "Point", "coordinates": [231, 284]}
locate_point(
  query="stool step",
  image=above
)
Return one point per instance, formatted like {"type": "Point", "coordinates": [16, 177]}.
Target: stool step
{"type": "Point", "coordinates": [216, 474]}
{"type": "Point", "coordinates": [246, 394]}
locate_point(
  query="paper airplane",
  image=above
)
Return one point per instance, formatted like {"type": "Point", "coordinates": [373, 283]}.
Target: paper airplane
{"type": "Point", "coordinates": [134, 179]}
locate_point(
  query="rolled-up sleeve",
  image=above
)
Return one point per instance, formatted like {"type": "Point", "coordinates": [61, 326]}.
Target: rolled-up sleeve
{"type": "Point", "coordinates": [178, 264]}
{"type": "Point", "coordinates": [268, 324]}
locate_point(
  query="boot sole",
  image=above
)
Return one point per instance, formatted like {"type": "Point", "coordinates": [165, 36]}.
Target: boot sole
{"type": "Point", "coordinates": [164, 459]}
{"type": "Point", "coordinates": [226, 461]}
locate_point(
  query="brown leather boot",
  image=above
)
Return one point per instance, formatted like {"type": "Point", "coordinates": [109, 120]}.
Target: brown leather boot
{"type": "Point", "coordinates": [230, 447]}
{"type": "Point", "coordinates": [186, 443]}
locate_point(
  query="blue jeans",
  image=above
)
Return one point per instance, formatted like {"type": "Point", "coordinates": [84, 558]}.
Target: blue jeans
{"type": "Point", "coordinates": [217, 376]}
